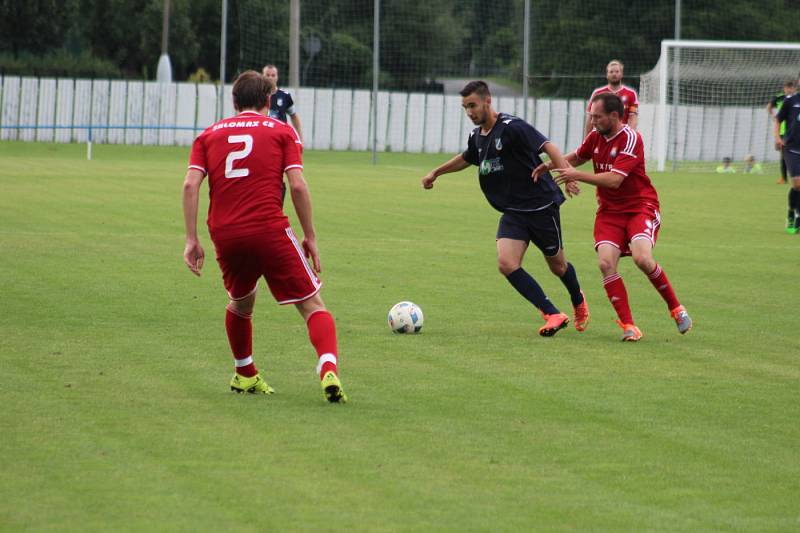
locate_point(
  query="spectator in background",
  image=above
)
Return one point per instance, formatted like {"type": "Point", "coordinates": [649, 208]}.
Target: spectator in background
{"type": "Point", "coordinates": [751, 166]}
{"type": "Point", "coordinates": [280, 101]}
{"type": "Point", "coordinates": [725, 167]}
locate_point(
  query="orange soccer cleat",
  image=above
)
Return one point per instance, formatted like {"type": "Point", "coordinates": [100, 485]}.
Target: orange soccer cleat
{"type": "Point", "coordinates": [581, 316]}
{"type": "Point", "coordinates": [553, 323]}
{"type": "Point", "coordinates": [682, 319]}
{"type": "Point", "coordinates": [630, 332]}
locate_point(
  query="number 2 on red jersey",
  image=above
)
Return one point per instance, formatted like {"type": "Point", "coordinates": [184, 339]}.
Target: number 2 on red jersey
{"type": "Point", "coordinates": [231, 172]}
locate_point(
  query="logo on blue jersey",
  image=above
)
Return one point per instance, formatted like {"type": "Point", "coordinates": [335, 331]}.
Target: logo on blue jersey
{"type": "Point", "coordinates": [490, 165]}
{"type": "Point", "coordinates": [280, 102]}
{"type": "Point", "coordinates": [498, 144]}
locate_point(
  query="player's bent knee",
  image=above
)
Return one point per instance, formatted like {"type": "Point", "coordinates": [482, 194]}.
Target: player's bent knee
{"type": "Point", "coordinates": [238, 307]}
{"type": "Point", "coordinates": [606, 266]}
{"type": "Point", "coordinates": [244, 306]}
{"type": "Point", "coordinates": [507, 268]}
{"type": "Point", "coordinates": [645, 262]}
{"type": "Point", "coordinates": [310, 306]}
{"type": "Point", "coordinates": [557, 267]}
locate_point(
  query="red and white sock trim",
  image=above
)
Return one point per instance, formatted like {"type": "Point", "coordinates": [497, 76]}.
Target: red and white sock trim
{"type": "Point", "coordinates": [243, 362]}
{"type": "Point", "coordinates": [325, 358]}
{"type": "Point", "coordinates": [655, 273]}
{"type": "Point", "coordinates": [612, 278]}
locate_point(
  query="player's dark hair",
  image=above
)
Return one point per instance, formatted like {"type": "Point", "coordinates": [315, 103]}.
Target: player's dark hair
{"type": "Point", "coordinates": [251, 91]}
{"type": "Point", "coordinates": [611, 103]}
{"type": "Point", "coordinates": [478, 87]}
{"type": "Point", "coordinates": [790, 83]}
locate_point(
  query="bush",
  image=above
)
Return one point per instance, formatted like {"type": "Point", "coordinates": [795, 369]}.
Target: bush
{"type": "Point", "coordinates": [59, 63]}
{"type": "Point", "coordinates": [199, 76]}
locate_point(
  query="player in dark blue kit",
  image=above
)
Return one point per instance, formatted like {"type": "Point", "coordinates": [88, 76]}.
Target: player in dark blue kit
{"type": "Point", "coordinates": [789, 143]}
{"type": "Point", "coordinates": [281, 103]}
{"type": "Point", "coordinates": [506, 150]}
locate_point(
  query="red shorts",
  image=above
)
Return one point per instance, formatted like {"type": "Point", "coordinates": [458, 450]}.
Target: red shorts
{"type": "Point", "coordinates": [276, 255]}
{"type": "Point", "coordinates": [619, 229]}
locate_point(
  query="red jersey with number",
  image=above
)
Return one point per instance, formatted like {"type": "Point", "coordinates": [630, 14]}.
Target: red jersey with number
{"type": "Point", "coordinates": [622, 153]}
{"type": "Point", "coordinates": [630, 100]}
{"type": "Point", "coordinates": [245, 158]}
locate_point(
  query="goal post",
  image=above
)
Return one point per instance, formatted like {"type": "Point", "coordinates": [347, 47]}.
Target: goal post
{"type": "Point", "coordinates": [710, 100]}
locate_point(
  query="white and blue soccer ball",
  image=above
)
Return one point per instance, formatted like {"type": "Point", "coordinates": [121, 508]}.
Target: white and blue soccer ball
{"type": "Point", "coordinates": [405, 317]}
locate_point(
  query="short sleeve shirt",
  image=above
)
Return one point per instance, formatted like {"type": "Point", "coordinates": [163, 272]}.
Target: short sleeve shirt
{"type": "Point", "coordinates": [790, 114]}
{"type": "Point", "coordinates": [245, 158]}
{"type": "Point", "coordinates": [630, 100]}
{"type": "Point", "coordinates": [506, 157]}
{"type": "Point", "coordinates": [281, 105]}
{"type": "Point", "coordinates": [777, 103]}
{"type": "Point", "coordinates": [623, 154]}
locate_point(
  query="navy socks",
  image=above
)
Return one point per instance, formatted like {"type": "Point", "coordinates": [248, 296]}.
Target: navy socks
{"type": "Point", "coordinates": [531, 291]}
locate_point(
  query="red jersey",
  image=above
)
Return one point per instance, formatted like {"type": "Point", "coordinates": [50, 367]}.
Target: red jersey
{"type": "Point", "coordinates": [245, 158]}
{"type": "Point", "coordinates": [630, 100]}
{"type": "Point", "coordinates": [624, 154]}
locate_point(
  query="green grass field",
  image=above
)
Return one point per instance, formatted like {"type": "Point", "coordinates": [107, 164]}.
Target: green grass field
{"type": "Point", "coordinates": [116, 413]}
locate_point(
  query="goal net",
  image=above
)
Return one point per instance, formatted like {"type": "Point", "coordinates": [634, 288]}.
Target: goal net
{"type": "Point", "coordinates": [706, 101]}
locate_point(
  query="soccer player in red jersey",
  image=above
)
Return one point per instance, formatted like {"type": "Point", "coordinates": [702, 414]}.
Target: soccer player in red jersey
{"type": "Point", "coordinates": [627, 221]}
{"type": "Point", "coordinates": [245, 158]}
{"type": "Point", "coordinates": [630, 100]}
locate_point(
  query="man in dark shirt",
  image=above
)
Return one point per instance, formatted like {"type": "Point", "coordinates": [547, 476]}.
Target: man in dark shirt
{"type": "Point", "coordinates": [281, 103]}
{"type": "Point", "coordinates": [773, 107]}
{"type": "Point", "coordinates": [506, 150]}
{"type": "Point", "coordinates": [789, 143]}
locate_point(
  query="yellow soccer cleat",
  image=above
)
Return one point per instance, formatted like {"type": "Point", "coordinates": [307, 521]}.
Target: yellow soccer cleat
{"type": "Point", "coordinates": [253, 385]}
{"type": "Point", "coordinates": [332, 388]}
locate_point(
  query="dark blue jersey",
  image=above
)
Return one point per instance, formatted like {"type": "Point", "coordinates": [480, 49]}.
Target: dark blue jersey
{"type": "Point", "coordinates": [506, 157]}
{"type": "Point", "coordinates": [281, 104]}
{"type": "Point", "coordinates": [777, 103]}
{"type": "Point", "coordinates": [790, 113]}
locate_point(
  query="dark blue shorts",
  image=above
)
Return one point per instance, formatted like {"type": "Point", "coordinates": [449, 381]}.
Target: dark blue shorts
{"type": "Point", "coordinates": [542, 228]}
{"type": "Point", "coordinates": [792, 158]}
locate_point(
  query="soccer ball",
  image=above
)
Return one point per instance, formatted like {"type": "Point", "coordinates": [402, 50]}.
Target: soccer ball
{"type": "Point", "coordinates": [405, 317]}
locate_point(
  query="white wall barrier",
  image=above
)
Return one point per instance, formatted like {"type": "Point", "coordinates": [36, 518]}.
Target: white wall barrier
{"type": "Point", "coordinates": [136, 112]}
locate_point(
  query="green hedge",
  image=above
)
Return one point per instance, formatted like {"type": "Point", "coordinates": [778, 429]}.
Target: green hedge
{"type": "Point", "coordinates": [58, 64]}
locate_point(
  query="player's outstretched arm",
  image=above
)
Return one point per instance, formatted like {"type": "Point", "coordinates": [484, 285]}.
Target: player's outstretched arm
{"type": "Point", "coordinates": [454, 165]}
{"type": "Point", "coordinates": [301, 199]}
{"type": "Point", "coordinates": [776, 132]}
{"type": "Point", "coordinates": [193, 253]}
{"type": "Point", "coordinates": [571, 159]}
{"type": "Point", "coordinates": [298, 126]}
{"type": "Point", "coordinates": [611, 180]}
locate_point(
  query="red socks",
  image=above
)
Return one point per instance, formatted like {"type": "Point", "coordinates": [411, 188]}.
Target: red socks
{"type": "Point", "coordinates": [322, 333]}
{"type": "Point", "coordinates": [659, 280]}
{"type": "Point", "coordinates": [618, 296]}
{"type": "Point", "coordinates": [240, 337]}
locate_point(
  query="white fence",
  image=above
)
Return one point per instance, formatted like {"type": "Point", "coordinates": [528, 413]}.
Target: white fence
{"type": "Point", "coordinates": [137, 112]}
